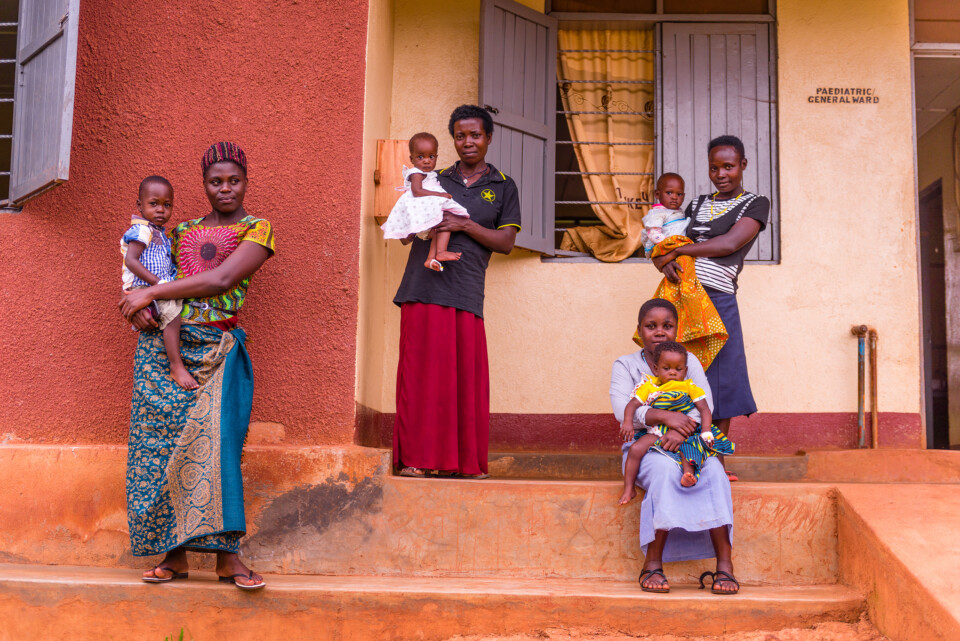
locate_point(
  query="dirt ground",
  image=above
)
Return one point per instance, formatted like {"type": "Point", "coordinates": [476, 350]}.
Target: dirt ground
{"type": "Point", "coordinates": [860, 631]}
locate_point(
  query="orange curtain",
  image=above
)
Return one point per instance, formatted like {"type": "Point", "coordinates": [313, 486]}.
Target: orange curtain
{"type": "Point", "coordinates": [618, 236]}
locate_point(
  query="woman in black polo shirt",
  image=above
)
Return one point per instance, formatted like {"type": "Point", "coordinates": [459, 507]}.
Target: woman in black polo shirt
{"type": "Point", "coordinates": [443, 383]}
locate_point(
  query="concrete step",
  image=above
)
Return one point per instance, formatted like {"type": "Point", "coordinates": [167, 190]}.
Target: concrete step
{"type": "Point", "coordinates": [54, 603]}
{"type": "Point", "coordinates": [337, 511]}
{"type": "Point", "coordinates": [895, 545]}
{"type": "Point", "coordinates": [883, 466]}
{"type": "Point", "coordinates": [594, 466]}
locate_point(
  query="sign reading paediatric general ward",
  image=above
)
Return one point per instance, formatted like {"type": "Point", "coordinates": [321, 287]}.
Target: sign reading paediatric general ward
{"type": "Point", "coordinates": [845, 95]}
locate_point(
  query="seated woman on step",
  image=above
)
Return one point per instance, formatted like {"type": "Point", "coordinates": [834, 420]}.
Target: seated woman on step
{"type": "Point", "coordinates": [676, 523]}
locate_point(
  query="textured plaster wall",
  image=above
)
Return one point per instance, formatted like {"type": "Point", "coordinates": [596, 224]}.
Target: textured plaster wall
{"type": "Point", "coordinates": [848, 228]}
{"type": "Point", "coordinates": [935, 161]}
{"type": "Point", "coordinates": [155, 85]}
{"type": "Point", "coordinates": [373, 304]}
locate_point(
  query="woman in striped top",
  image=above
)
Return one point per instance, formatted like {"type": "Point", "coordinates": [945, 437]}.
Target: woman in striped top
{"type": "Point", "coordinates": [724, 226]}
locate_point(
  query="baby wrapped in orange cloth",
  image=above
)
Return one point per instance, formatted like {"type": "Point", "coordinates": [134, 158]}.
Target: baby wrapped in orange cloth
{"type": "Point", "coordinates": [699, 327]}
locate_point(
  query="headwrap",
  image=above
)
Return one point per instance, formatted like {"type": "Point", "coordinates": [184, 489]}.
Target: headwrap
{"type": "Point", "coordinates": [220, 151]}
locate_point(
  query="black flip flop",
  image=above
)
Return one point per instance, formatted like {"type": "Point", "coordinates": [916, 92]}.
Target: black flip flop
{"type": "Point", "coordinates": [233, 579]}
{"type": "Point", "coordinates": [156, 579]}
{"type": "Point", "coordinates": [660, 590]}
{"type": "Point", "coordinates": [726, 576]}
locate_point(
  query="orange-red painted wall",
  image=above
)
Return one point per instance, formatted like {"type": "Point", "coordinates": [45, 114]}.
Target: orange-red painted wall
{"type": "Point", "coordinates": [156, 84]}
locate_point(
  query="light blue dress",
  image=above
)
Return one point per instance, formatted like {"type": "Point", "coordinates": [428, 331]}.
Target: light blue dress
{"type": "Point", "coordinates": [687, 512]}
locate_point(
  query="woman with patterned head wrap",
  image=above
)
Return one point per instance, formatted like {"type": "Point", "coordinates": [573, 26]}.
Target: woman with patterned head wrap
{"type": "Point", "coordinates": [184, 488]}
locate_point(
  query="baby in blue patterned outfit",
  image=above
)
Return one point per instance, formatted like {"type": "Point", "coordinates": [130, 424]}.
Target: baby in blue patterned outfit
{"type": "Point", "coordinates": [147, 261]}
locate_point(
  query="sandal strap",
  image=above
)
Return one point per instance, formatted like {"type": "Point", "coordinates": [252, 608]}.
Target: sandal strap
{"type": "Point", "coordinates": [708, 573]}
{"type": "Point", "coordinates": [726, 577]}
{"type": "Point", "coordinates": [242, 575]}
{"type": "Point", "coordinates": [652, 573]}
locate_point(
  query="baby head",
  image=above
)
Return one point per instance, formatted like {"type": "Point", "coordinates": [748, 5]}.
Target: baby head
{"type": "Point", "coordinates": [155, 200]}
{"type": "Point", "coordinates": [423, 151]}
{"type": "Point", "coordinates": [669, 191]}
{"type": "Point", "coordinates": [670, 361]}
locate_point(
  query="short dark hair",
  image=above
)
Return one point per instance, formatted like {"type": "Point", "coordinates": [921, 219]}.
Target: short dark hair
{"type": "Point", "coordinates": [668, 346]}
{"type": "Point", "coordinates": [154, 180]}
{"type": "Point", "coordinates": [423, 135]}
{"type": "Point", "coordinates": [655, 303]}
{"type": "Point", "coordinates": [727, 141]}
{"type": "Point", "coordinates": [668, 176]}
{"type": "Point", "coordinates": [464, 112]}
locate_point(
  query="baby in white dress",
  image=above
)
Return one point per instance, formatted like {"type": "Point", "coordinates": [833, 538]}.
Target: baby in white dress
{"type": "Point", "coordinates": [423, 202]}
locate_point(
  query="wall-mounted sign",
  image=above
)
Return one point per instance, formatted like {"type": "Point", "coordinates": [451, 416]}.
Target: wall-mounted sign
{"type": "Point", "coordinates": [845, 95]}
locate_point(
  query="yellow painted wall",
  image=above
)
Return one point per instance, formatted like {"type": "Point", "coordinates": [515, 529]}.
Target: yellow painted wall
{"type": "Point", "coordinates": [935, 161]}
{"type": "Point", "coordinates": [378, 98]}
{"type": "Point", "coordinates": [847, 241]}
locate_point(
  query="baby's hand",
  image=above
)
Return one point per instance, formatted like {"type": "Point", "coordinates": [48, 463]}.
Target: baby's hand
{"type": "Point", "coordinates": [707, 437]}
{"type": "Point", "coordinates": [626, 431]}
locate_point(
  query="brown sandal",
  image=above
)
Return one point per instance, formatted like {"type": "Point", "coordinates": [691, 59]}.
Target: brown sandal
{"type": "Point", "coordinates": [414, 472]}
{"type": "Point", "coordinates": [659, 590]}
{"type": "Point", "coordinates": [726, 577]}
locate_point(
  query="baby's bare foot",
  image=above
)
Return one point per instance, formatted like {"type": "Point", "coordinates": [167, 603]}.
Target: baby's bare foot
{"type": "Point", "coordinates": [627, 496]}
{"type": "Point", "coordinates": [688, 479]}
{"type": "Point", "coordinates": [183, 378]}
{"type": "Point", "coordinates": [445, 256]}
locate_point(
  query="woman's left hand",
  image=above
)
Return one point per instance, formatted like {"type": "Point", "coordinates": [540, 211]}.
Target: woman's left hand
{"type": "Point", "coordinates": [452, 222]}
{"type": "Point", "coordinates": [661, 261]}
{"type": "Point", "coordinates": [671, 441]}
{"type": "Point", "coordinates": [134, 301]}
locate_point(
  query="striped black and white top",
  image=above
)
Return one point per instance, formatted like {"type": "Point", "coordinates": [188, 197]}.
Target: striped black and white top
{"type": "Point", "coordinates": [710, 220]}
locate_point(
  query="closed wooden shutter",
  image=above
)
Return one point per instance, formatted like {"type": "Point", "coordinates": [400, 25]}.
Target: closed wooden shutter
{"type": "Point", "coordinates": [719, 79]}
{"type": "Point", "coordinates": [518, 58]}
{"type": "Point", "coordinates": [43, 96]}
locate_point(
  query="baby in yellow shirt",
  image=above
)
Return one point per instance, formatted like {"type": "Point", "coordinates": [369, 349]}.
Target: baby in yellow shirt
{"type": "Point", "coordinates": [670, 390]}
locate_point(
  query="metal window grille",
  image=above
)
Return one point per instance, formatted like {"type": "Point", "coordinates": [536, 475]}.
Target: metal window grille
{"type": "Point", "coordinates": [8, 68]}
{"type": "Point", "coordinates": [575, 211]}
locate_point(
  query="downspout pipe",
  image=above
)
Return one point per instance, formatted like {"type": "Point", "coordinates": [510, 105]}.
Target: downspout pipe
{"type": "Point", "coordinates": [874, 411]}
{"type": "Point", "coordinates": [860, 331]}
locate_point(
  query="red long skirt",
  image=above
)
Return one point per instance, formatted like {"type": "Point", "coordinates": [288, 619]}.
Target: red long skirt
{"type": "Point", "coordinates": [443, 390]}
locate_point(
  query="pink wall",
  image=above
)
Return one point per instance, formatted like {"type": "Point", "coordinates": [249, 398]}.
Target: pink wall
{"type": "Point", "coordinates": [156, 84]}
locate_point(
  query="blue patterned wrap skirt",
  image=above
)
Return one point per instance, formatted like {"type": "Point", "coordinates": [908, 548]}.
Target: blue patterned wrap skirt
{"type": "Point", "coordinates": [184, 486]}
{"type": "Point", "coordinates": [727, 374]}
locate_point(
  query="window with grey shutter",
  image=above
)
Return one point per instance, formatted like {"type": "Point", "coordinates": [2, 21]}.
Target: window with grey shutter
{"type": "Point", "coordinates": [719, 79]}
{"type": "Point", "coordinates": [43, 96]}
{"type": "Point", "coordinates": [518, 57]}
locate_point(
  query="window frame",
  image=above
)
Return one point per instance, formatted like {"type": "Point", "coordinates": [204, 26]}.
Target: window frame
{"type": "Point", "coordinates": [51, 166]}
{"type": "Point", "coordinates": [600, 20]}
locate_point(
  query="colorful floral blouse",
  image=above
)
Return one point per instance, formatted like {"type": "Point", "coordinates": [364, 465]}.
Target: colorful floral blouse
{"type": "Point", "coordinates": [197, 248]}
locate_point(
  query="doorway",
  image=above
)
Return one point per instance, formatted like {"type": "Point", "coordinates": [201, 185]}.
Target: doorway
{"type": "Point", "coordinates": [934, 305]}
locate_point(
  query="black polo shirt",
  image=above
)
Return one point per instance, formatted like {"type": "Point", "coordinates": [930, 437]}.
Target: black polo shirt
{"type": "Point", "coordinates": [493, 202]}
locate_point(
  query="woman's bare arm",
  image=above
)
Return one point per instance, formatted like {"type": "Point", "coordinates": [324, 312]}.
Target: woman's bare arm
{"type": "Point", "coordinates": [242, 263]}
{"type": "Point", "coordinates": [739, 235]}
{"type": "Point", "coordinates": [498, 240]}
